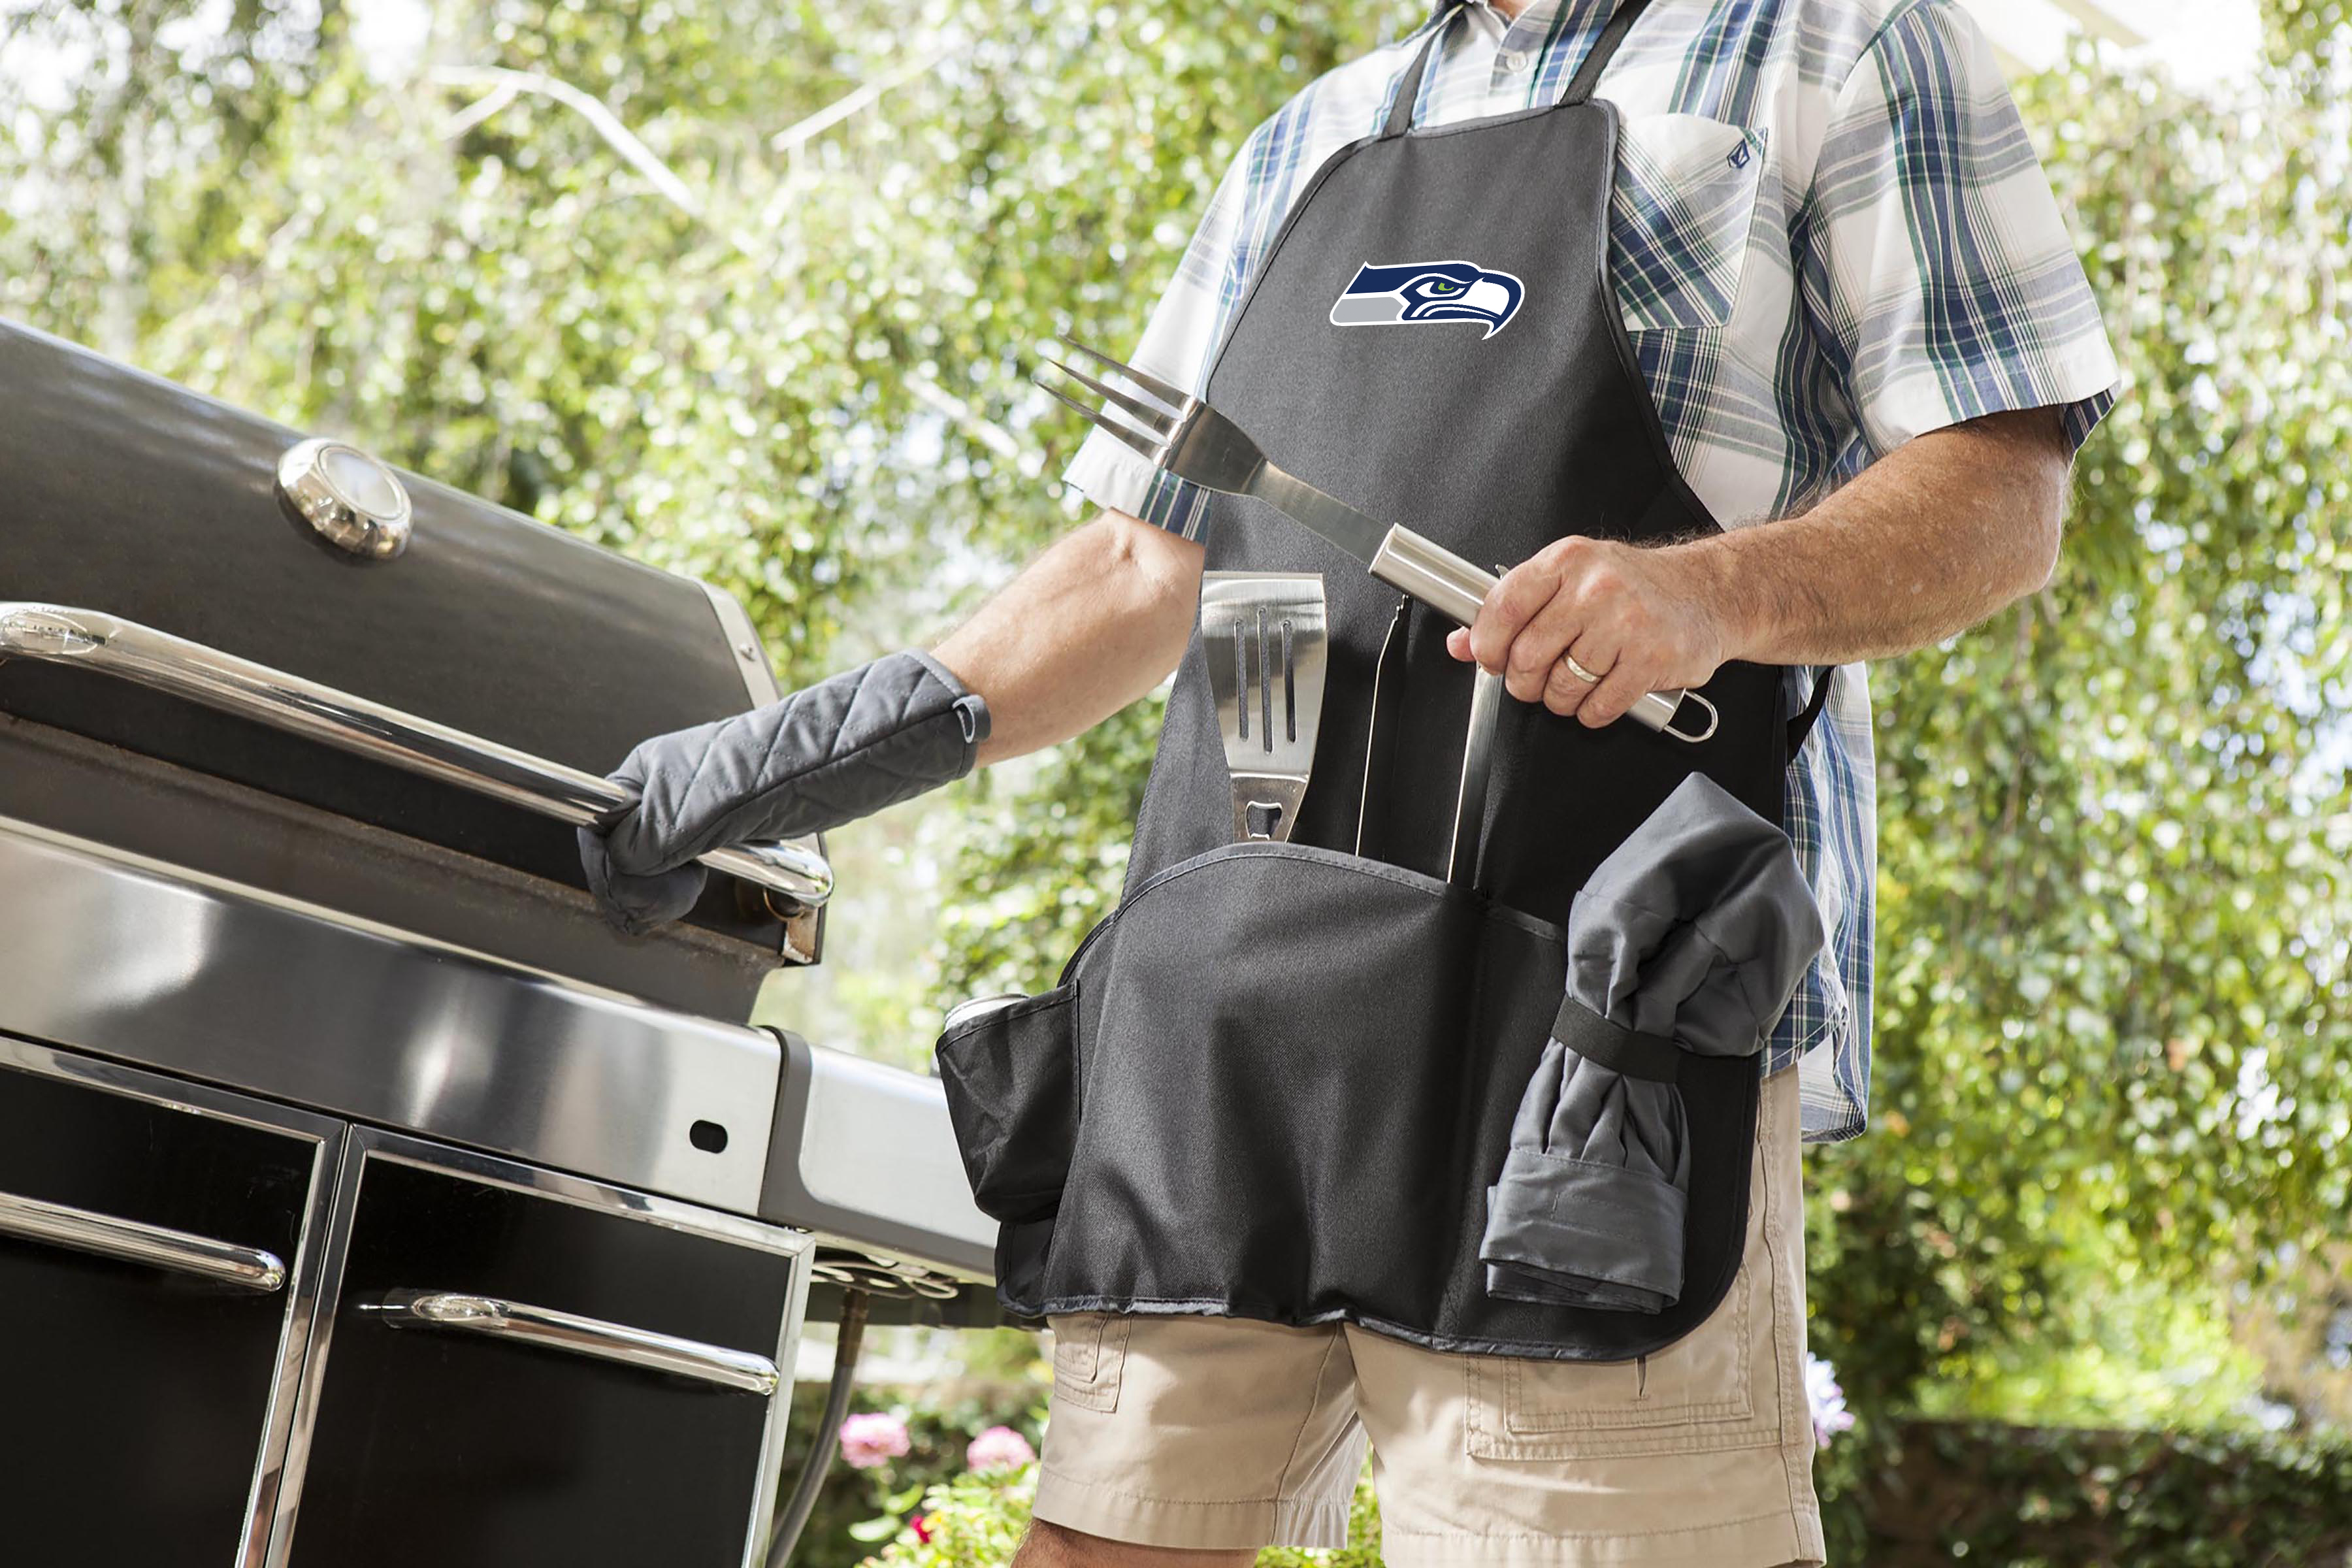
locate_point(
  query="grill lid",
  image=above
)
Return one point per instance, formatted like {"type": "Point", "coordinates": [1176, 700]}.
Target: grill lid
{"type": "Point", "coordinates": [205, 588]}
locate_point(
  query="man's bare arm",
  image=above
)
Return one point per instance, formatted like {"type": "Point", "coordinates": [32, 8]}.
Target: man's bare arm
{"type": "Point", "coordinates": [1924, 542]}
{"type": "Point", "coordinates": [1093, 623]}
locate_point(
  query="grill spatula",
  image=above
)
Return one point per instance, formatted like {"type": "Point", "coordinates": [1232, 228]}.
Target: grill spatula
{"type": "Point", "coordinates": [1266, 638]}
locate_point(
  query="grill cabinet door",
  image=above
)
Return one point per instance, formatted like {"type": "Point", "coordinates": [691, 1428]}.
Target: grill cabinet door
{"type": "Point", "coordinates": [155, 1296]}
{"type": "Point", "coordinates": [560, 1376]}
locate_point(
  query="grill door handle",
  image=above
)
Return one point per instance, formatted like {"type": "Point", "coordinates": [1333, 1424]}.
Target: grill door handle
{"type": "Point", "coordinates": [544, 1326]}
{"type": "Point", "coordinates": [60, 634]}
{"type": "Point", "coordinates": [131, 1241]}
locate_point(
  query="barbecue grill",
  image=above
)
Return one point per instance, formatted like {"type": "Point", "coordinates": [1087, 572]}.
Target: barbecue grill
{"type": "Point", "coordinates": [364, 1197]}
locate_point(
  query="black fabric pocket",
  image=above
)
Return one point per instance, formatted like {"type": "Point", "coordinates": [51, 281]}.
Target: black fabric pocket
{"type": "Point", "coordinates": [1297, 1072]}
{"type": "Point", "coordinates": [1010, 1081]}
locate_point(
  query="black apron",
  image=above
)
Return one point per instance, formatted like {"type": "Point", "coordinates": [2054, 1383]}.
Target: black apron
{"type": "Point", "coordinates": [1277, 1081]}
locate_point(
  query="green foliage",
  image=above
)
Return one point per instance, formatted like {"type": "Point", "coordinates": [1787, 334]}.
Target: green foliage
{"type": "Point", "coordinates": [977, 1520]}
{"type": "Point", "coordinates": [971, 1521]}
{"type": "Point", "coordinates": [2008, 1497]}
{"type": "Point", "coordinates": [1992, 1493]}
{"type": "Point", "coordinates": [2310, 31]}
{"type": "Point", "coordinates": [2135, 1351]}
{"type": "Point", "coordinates": [2114, 1032]}
{"type": "Point", "coordinates": [857, 1508]}
{"type": "Point", "coordinates": [1043, 864]}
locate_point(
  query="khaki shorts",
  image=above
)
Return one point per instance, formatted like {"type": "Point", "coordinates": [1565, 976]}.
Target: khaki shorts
{"type": "Point", "coordinates": [1229, 1433]}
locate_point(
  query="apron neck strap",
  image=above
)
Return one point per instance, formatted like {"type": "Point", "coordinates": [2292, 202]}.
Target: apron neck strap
{"type": "Point", "coordinates": [1579, 88]}
{"type": "Point", "coordinates": [1408, 87]}
{"type": "Point", "coordinates": [1604, 50]}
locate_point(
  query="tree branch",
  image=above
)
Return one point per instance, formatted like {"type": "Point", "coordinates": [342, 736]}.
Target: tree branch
{"type": "Point", "coordinates": [841, 109]}
{"type": "Point", "coordinates": [607, 124]}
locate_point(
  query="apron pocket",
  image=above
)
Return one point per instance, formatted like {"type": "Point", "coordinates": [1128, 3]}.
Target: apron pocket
{"type": "Point", "coordinates": [1295, 1084]}
{"type": "Point", "coordinates": [1294, 1076]}
{"type": "Point", "coordinates": [1011, 1081]}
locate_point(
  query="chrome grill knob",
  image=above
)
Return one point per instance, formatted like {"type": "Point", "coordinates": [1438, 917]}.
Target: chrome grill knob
{"type": "Point", "coordinates": [351, 499]}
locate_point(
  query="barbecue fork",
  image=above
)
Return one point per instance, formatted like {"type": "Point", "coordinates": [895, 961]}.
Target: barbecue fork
{"type": "Point", "coordinates": [1189, 438]}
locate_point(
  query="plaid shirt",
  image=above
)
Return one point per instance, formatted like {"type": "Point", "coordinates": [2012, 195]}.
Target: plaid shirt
{"type": "Point", "coordinates": [1829, 233]}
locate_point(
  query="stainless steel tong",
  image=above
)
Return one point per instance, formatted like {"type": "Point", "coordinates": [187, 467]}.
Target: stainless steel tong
{"type": "Point", "coordinates": [1187, 437]}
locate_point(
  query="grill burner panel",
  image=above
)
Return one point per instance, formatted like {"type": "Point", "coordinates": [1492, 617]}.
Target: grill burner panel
{"type": "Point", "coordinates": [135, 961]}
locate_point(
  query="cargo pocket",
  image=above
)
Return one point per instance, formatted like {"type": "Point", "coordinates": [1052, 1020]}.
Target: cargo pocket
{"type": "Point", "coordinates": [1010, 1077]}
{"type": "Point", "coordinates": [1698, 1394]}
{"type": "Point", "coordinates": [1695, 1395]}
{"type": "Point", "coordinates": [1090, 1358]}
{"type": "Point", "coordinates": [1680, 213]}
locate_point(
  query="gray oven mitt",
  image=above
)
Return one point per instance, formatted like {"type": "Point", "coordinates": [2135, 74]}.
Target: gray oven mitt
{"type": "Point", "coordinates": [1696, 930]}
{"type": "Point", "coordinates": [837, 750]}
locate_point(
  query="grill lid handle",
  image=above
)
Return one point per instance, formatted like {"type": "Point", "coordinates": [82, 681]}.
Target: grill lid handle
{"type": "Point", "coordinates": [796, 869]}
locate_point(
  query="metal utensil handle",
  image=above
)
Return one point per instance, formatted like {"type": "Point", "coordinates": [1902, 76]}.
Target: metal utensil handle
{"type": "Point", "coordinates": [568, 1331]}
{"type": "Point", "coordinates": [131, 1241]}
{"type": "Point", "coordinates": [63, 635]}
{"type": "Point", "coordinates": [1477, 766]}
{"type": "Point", "coordinates": [1420, 566]}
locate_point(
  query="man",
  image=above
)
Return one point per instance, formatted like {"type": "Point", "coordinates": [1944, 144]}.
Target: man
{"type": "Point", "coordinates": [1871, 353]}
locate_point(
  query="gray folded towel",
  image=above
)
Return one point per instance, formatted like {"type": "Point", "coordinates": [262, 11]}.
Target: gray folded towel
{"type": "Point", "coordinates": [837, 750]}
{"type": "Point", "coordinates": [1696, 930]}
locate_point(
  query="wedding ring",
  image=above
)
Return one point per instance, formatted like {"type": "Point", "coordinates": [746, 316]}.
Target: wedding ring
{"type": "Point", "coordinates": [1579, 670]}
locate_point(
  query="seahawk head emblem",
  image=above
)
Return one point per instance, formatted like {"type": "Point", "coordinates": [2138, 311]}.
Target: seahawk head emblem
{"type": "Point", "coordinates": [1428, 292]}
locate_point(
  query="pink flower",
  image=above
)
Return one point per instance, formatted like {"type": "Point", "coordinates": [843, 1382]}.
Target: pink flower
{"type": "Point", "coordinates": [922, 1527]}
{"type": "Point", "coordinates": [871, 1439]}
{"type": "Point", "coordinates": [1822, 1391]}
{"type": "Point", "coordinates": [999, 1448]}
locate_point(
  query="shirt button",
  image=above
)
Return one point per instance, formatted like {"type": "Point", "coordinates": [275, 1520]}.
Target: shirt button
{"type": "Point", "coordinates": [1516, 60]}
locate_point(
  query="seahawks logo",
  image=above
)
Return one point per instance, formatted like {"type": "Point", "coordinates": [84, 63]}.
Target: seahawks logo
{"type": "Point", "coordinates": [1429, 291]}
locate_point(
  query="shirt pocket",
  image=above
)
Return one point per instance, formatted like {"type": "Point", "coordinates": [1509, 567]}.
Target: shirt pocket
{"type": "Point", "coordinates": [1680, 214]}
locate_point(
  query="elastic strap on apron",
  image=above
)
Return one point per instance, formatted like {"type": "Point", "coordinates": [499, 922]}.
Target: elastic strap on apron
{"type": "Point", "coordinates": [1596, 1040]}
{"type": "Point", "coordinates": [1477, 758]}
{"type": "Point", "coordinates": [1387, 697]}
{"type": "Point", "coordinates": [1580, 87]}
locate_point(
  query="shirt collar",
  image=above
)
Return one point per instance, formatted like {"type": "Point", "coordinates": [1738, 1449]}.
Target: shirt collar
{"type": "Point", "coordinates": [1535, 21]}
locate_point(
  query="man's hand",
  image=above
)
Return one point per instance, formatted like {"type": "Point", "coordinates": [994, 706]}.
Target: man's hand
{"type": "Point", "coordinates": [1926, 542]}
{"type": "Point", "coordinates": [1638, 620]}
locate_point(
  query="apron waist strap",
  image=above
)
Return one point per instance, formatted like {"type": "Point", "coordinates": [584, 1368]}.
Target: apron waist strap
{"type": "Point", "coordinates": [1613, 1045]}
{"type": "Point", "coordinates": [1802, 724]}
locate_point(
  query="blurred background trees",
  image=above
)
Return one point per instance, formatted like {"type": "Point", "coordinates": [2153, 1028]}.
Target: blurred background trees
{"type": "Point", "coordinates": [749, 288]}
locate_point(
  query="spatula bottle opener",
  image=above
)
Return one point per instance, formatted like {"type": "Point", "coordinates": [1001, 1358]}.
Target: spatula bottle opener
{"type": "Point", "coordinates": [1268, 645]}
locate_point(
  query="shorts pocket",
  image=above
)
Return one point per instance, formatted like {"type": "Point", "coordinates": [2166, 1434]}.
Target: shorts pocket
{"type": "Point", "coordinates": [1680, 213]}
{"type": "Point", "coordinates": [1090, 1358]}
{"type": "Point", "coordinates": [1697, 1393]}
{"type": "Point", "coordinates": [1010, 1077]}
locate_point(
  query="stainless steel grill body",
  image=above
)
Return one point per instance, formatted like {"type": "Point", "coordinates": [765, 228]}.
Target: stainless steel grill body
{"type": "Point", "coordinates": [365, 1197]}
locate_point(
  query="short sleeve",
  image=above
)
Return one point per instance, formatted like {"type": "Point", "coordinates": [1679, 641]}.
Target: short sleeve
{"type": "Point", "coordinates": [1938, 279]}
{"type": "Point", "coordinates": [1175, 347]}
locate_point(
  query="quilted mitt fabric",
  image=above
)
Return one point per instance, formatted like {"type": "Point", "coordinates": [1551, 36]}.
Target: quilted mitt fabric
{"type": "Point", "coordinates": [1697, 930]}
{"type": "Point", "coordinates": [843, 748]}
